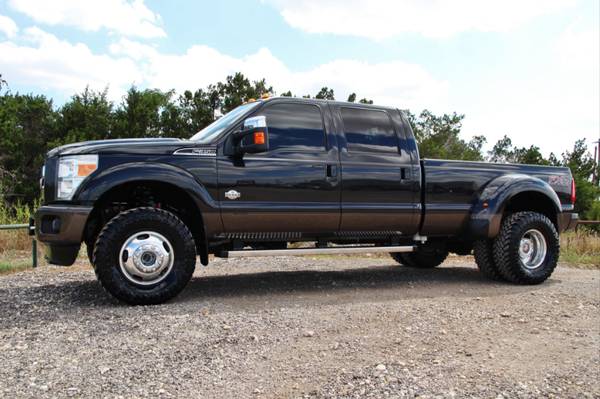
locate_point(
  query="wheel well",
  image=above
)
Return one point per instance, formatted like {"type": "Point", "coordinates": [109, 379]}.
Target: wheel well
{"type": "Point", "coordinates": [146, 193]}
{"type": "Point", "coordinates": [532, 201]}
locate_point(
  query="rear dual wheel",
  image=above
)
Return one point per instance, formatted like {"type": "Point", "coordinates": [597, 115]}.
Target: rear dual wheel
{"type": "Point", "coordinates": [525, 251]}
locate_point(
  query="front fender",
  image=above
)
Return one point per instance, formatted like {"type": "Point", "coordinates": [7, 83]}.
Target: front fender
{"type": "Point", "coordinates": [99, 184]}
{"type": "Point", "coordinates": [487, 212]}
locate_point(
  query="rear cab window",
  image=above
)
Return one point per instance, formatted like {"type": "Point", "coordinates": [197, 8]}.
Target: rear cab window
{"type": "Point", "coordinates": [369, 130]}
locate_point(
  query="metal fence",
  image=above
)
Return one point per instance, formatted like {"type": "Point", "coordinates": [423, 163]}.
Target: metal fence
{"type": "Point", "coordinates": [34, 251]}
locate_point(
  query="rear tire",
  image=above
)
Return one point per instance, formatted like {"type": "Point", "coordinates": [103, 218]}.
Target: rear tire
{"type": "Point", "coordinates": [527, 248]}
{"type": "Point", "coordinates": [144, 256]}
{"type": "Point", "coordinates": [425, 257]}
{"type": "Point", "coordinates": [484, 257]}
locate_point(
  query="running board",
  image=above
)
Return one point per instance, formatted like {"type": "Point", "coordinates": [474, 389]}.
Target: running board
{"type": "Point", "coordinates": [314, 251]}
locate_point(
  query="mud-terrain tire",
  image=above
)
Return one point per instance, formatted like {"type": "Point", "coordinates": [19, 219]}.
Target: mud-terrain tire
{"type": "Point", "coordinates": [484, 257]}
{"type": "Point", "coordinates": [424, 257]}
{"type": "Point", "coordinates": [527, 248]}
{"type": "Point", "coordinates": [144, 256]}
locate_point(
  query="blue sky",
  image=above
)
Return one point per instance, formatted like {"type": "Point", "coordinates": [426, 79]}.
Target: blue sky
{"type": "Point", "coordinates": [527, 68]}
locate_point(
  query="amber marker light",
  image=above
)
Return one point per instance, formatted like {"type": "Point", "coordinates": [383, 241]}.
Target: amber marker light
{"type": "Point", "coordinates": [259, 138]}
{"type": "Point", "coordinates": [86, 169]}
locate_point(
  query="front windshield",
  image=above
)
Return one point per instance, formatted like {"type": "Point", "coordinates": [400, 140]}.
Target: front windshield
{"type": "Point", "coordinates": [210, 132]}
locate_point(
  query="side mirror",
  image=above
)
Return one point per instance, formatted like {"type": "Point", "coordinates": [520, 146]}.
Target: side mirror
{"type": "Point", "coordinates": [254, 136]}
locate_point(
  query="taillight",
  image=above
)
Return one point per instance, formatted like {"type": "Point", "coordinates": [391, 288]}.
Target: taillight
{"type": "Point", "coordinates": [573, 192]}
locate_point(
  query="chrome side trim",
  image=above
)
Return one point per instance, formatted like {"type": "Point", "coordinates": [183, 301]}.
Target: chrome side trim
{"type": "Point", "coordinates": [199, 152]}
{"type": "Point", "coordinates": [316, 251]}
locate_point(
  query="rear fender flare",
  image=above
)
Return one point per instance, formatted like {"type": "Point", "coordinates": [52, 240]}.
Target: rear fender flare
{"type": "Point", "coordinates": [489, 209]}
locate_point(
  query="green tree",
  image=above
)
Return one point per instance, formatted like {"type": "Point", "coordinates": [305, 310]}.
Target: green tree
{"type": "Point", "coordinates": [438, 137]}
{"type": "Point", "coordinates": [142, 114]}
{"type": "Point", "coordinates": [196, 111]}
{"type": "Point", "coordinates": [365, 101]}
{"type": "Point", "coordinates": [27, 124]}
{"type": "Point", "coordinates": [504, 152]}
{"type": "Point", "coordinates": [2, 82]}
{"type": "Point", "coordinates": [325, 94]}
{"type": "Point", "coordinates": [87, 116]}
{"type": "Point", "coordinates": [287, 94]}
{"type": "Point", "coordinates": [351, 98]}
{"type": "Point", "coordinates": [237, 89]}
{"type": "Point", "coordinates": [582, 165]}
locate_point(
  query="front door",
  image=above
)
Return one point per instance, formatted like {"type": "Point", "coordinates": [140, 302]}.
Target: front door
{"type": "Point", "coordinates": [294, 187]}
{"type": "Point", "coordinates": [380, 185]}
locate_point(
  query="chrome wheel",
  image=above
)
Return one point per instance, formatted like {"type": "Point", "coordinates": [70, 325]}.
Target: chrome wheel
{"type": "Point", "coordinates": [532, 249]}
{"type": "Point", "coordinates": [146, 258]}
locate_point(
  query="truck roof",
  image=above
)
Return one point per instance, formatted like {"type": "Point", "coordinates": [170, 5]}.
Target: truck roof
{"type": "Point", "coordinates": [322, 101]}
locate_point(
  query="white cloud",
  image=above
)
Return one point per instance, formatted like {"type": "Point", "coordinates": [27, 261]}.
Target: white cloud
{"type": "Point", "coordinates": [380, 19]}
{"type": "Point", "coordinates": [50, 63]}
{"type": "Point", "coordinates": [394, 83]}
{"type": "Point", "coordinates": [551, 109]}
{"type": "Point", "coordinates": [125, 17]}
{"type": "Point", "coordinates": [8, 26]}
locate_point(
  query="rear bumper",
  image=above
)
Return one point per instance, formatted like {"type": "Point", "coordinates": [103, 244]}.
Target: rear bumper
{"type": "Point", "coordinates": [61, 227]}
{"type": "Point", "coordinates": [567, 221]}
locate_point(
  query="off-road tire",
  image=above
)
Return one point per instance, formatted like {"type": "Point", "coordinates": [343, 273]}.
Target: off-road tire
{"type": "Point", "coordinates": [484, 257]}
{"type": "Point", "coordinates": [425, 257]}
{"type": "Point", "coordinates": [506, 248]}
{"type": "Point", "coordinates": [115, 233]}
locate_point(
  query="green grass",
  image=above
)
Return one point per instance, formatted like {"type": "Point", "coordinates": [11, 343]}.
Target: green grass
{"type": "Point", "coordinates": [13, 266]}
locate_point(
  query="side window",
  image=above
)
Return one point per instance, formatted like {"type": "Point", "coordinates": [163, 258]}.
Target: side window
{"type": "Point", "coordinates": [297, 126]}
{"type": "Point", "coordinates": [369, 130]}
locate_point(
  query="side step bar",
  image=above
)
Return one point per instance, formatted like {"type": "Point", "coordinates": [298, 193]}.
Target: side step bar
{"type": "Point", "coordinates": [314, 251]}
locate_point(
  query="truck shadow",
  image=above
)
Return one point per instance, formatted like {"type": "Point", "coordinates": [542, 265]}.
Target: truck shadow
{"type": "Point", "coordinates": [263, 290]}
{"type": "Point", "coordinates": [352, 285]}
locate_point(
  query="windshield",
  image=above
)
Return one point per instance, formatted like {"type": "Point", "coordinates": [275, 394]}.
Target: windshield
{"type": "Point", "coordinates": [210, 132]}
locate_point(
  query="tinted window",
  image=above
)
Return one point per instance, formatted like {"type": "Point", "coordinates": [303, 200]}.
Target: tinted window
{"type": "Point", "coordinates": [369, 130]}
{"type": "Point", "coordinates": [294, 125]}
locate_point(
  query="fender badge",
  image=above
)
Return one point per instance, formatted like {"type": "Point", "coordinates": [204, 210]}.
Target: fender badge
{"type": "Point", "coordinates": [232, 195]}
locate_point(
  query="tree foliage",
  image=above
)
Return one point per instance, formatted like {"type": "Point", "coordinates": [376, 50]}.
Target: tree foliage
{"type": "Point", "coordinates": [438, 137]}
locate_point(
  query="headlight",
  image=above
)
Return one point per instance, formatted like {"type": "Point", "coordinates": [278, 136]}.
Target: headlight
{"type": "Point", "coordinates": [72, 170]}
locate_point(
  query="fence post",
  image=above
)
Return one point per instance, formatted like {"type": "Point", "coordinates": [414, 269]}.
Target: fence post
{"type": "Point", "coordinates": [34, 254]}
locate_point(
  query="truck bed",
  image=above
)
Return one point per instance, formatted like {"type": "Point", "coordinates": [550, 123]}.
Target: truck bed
{"type": "Point", "coordinates": [452, 188]}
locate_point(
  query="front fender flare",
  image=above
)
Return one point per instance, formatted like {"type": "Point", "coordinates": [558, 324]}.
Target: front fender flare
{"type": "Point", "coordinates": [99, 184]}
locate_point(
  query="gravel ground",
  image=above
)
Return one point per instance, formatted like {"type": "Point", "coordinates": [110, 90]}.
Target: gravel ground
{"type": "Point", "coordinates": [338, 327]}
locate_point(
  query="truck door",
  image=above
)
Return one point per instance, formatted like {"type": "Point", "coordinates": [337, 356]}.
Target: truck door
{"type": "Point", "coordinates": [294, 187]}
{"type": "Point", "coordinates": [380, 185]}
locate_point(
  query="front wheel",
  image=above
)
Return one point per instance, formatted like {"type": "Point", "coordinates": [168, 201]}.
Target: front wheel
{"type": "Point", "coordinates": [144, 256]}
{"type": "Point", "coordinates": [527, 248]}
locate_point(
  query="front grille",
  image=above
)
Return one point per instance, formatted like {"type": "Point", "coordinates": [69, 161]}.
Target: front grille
{"type": "Point", "coordinates": [50, 179]}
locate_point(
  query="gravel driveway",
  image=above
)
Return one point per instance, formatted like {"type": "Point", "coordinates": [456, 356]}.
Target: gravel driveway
{"type": "Point", "coordinates": [304, 327]}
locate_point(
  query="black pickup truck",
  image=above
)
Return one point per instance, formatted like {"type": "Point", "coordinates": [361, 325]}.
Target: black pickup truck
{"type": "Point", "coordinates": [287, 176]}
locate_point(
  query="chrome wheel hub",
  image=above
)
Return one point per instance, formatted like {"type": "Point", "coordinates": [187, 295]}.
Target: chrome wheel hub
{"type": "Point", "coordinates": [532, 249]}
{"type": "Point", "coordinates": [146, 258]}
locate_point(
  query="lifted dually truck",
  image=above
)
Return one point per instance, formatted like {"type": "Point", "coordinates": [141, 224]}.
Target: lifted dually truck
{"type": "Point", "coordinates": [346, 177]}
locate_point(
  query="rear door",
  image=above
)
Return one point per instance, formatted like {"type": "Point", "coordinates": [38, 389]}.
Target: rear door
{"type": "Point", "coordinates": [294, 187]}
{"type": "Point", "coordinates": [380, 186]}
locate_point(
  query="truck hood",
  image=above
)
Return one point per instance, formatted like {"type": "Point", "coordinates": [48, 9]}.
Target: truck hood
{"type": "Point", "coordinates": [121, 146]}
